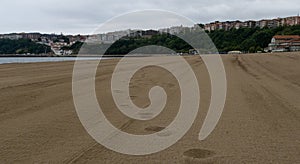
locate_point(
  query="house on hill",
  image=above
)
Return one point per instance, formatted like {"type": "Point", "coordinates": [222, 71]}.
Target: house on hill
{"type": "Point", "coordinates": [283, 43]}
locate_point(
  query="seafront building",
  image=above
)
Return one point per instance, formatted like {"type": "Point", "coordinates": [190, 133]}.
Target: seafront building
{"type": "Point", "coordinates": [282, 43]}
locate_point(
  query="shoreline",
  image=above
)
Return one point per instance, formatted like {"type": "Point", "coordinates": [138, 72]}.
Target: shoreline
{"type": "Point", "coordinates": [133, 55]}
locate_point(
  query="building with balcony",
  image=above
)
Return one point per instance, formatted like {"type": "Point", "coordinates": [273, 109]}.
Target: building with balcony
{"type": "Point", "coordinates": [282, 43]}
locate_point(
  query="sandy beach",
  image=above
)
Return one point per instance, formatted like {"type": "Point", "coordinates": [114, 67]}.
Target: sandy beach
{"type": "Point", "coordinates": [260, 122]}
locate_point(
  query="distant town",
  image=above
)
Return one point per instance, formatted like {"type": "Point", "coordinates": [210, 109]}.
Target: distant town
{"type": "Point", "coordinates": [270, 23]}
{"type": "Point", "coordinates": [57, 42]}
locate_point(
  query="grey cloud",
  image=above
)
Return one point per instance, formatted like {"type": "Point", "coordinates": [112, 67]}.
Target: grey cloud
{"type": "Point", "coordinates": [70, 16]}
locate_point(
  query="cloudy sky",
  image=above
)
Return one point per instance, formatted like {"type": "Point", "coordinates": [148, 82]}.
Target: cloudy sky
{"type": "Point", "coordinates": [84, 16]}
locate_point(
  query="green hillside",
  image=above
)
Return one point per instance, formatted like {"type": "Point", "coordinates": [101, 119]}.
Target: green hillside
{"type": "Point", "coordinates": [22, 46]}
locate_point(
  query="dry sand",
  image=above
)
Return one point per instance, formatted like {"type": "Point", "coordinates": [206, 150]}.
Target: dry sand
{"type": "Point", "coordinates": [260, 122]}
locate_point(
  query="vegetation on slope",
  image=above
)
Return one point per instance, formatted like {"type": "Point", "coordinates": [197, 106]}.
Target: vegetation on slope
{"type": "Point", "coordinates": [249, 39]}
{"type": "Point", "coordinates": [22, 46]}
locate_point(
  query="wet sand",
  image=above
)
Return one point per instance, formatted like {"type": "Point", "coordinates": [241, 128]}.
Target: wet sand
{"type": "Point", "coordinates": [260, 122]}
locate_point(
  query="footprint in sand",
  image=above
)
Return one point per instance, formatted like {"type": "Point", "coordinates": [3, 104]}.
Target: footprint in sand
{"type": "Point", "coordinates": [158, 130]}
{"type": "Point", "coordinates": [118, 91]}
{"type": "Point", "coordinates": [154, 128]}
{"type": "Point", "coordinates": [194, 155]}
{"type": "Point", "coordinates": [146, 115]}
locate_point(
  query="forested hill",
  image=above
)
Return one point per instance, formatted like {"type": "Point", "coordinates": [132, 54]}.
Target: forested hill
{"type": "Point", "coordinates": [22, 46]}
{"type": "Point", "coordinates": [249, 39]}
{"type": "Point", "coordinates": [243, 39]}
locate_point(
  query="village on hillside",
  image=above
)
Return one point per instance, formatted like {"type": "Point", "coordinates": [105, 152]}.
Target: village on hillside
{"type": "Point", "coordinates": [57, 42]}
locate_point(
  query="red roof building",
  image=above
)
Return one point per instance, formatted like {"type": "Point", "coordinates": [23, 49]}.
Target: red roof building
{"type": "Point", "coordinates": [285, 43]}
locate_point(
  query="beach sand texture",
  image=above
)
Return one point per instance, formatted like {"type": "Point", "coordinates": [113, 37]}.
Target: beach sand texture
{"type": "Point", "coordinates": [260, 122]}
